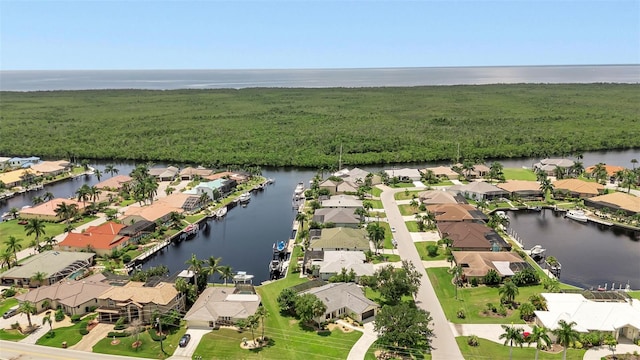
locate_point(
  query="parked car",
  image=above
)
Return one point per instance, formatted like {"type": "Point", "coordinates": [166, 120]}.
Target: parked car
{"type": "Point", "coordinates": [393, 229]}
{"type": "Point", "coordinates": [9, 313]}
{"type": "Point", "coordinates": [184, 340]}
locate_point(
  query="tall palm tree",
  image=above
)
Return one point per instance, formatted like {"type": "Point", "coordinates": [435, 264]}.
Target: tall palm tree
{"type": "Point", "coordinates": [14, 212]}
{"type": "Point", "coordinates": [261, 313]}
{"type": "Point", "coordinates": [252, 324]}
{"type": "Point", "coordinates": [468, 168]}
{"type": "Point", "coordinates": [578, 168]}
{"type": "Point", "coordinates": [226, 273]}
{"type": "Point", "coordinates": [13, 245]}
{"type": "Point", "coordinates": [508, 291]}
{"type": "Point", "coordinates": [48, 196]}
{"type": "Point", "coordinates": [376, 234]}
{"type": "Point", "coordinates": [512, 335]}
{"type": "Point", "coordinates": [195, 265]}
{"type": "Point", "coordinates": [213, 266]}
{"type": "Point", "coordinates": [301, 217]}
{"type": "Point", "coordinates": [599, 172]}
{"type": "Point", "coordinates": [110, 169]}
{"type": "Point", "coordinates": [37, 200]}
{"type": "Point", "coordinates": [36, 227]}
{"type": "Point", "coordinates": [176, 219]}
{"type": "Point", "coordinates": [540, 336]}
{"type": "Point", "coordinates": [98, 174]}
{"type": "Point", "coordinates": [83, 193]}
{"type": "Point", "coordinates": [39, 277]}
{"type": "Point", "coordinates": [566, 335]}
{"type": "Point", "coordinates": [546, 187]}
{"type": "Point", "coordinates": [457, 273]}
{"type": "Point", "coordinates": [28, 308]}
{"type": "Point", "coordinates": [7, 257]}
{"type": "Point", "coordinates": [94, 193]}
{"type": "Point", "coordinates": [628, 178]}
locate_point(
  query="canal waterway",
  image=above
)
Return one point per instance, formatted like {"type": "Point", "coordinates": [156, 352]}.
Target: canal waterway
{"type": "Point", "coordinates": [591, 254]}
{"type": "Point", "coordinates": [245, 237]}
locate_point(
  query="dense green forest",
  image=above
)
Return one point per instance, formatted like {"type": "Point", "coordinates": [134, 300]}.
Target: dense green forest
{"type": "Point", "coordinates": [305, 127]}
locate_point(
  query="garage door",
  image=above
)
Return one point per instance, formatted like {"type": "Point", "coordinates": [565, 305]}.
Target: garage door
{"type": "Point", "coordinates": [368, 314]}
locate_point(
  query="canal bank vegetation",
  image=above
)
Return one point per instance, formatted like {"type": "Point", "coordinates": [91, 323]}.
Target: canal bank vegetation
{"type": "Point", "coordinates": [306, 127]}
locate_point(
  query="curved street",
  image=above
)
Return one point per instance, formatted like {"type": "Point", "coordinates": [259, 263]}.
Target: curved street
{"type": "Point", "coordinates": [443, 343]}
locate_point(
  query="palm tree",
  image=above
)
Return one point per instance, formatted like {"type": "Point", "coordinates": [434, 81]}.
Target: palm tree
{"type": "Point", "coordinates": [14, 212]}
{"type": "Point", "coordinates": [28, 308]}
{"type": "Point", "coordinates": [50, 242]}
{"type": "Point", "coordinates": [508, 291]}
{"type": "Point", "coordinates": [48, 196]}
{"type": "Point", "coordinates": [376, 234]}
{"type": "Point", "coordinates": [47, 319]}
{"type": "Point", "coordinates": [35, 226]}
{"type": "Point", "coordinates": [225, 273]}
{"type": "Point", "coordinates": [176, 219]}
{"type": "Point", "coordinates": [7, 257]}
{"type": "Point", "coordinates": [252, 324]}
{"type": "Point", "coordinates": [577, 168]}
{"type": "Point", "coordinates": [13, 245]}
{"type": "Point", "coordinates": [39, 277]}
{"type": "Point", "coordinates": [37, 200]}
{"type": "Point", "coordinates": [83, 193]}
{"type": "Point", "coordinates": [559, 172]}
{"type": "Point", "coordinates": [546, 187]}
{"type": "Point", "coordinates": [457, 273]}
{"type": "Point", "coordinates": [261, 313]}
{"type": "Point", "coordinates": [468, 168]}
{"type": "Point", "coordinates": [566, 334]}
{"type": "Point", "coordinates": [94, 193]}
{"type": "Point", "coordinates": [629, 178]}
{"type": "Point", "coordinates": [599, 172]}
{"type": "Point", "coordinates": [110, 169]}
{"type": "Point", "coordinates": [98, 174]}
{"type": "Point", "coordinates": [301, 217]}
{"type": "Point", "coordinates": [35, 245]}
{"type": "Point", "coordinates": [512, 335]}
{"type": "Point", "coordinates": [213, 266]}
{"type": "Point", "coordinates": [195, 265]}
{"type": "Point", "coordinates": [540, 336]}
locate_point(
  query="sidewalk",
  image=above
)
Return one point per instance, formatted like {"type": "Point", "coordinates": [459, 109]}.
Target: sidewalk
{"type": "Point", "coordinates": [360, 348]}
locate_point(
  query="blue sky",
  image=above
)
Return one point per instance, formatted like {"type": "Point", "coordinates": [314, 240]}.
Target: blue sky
{"type": "Point", "coordinates": [36, 35]}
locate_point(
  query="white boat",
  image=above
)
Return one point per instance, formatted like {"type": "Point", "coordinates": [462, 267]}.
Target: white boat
{"type": "Point", "coordinates": [577, 215]}
{"type": "Point", "coordinates": [245, 197]}
{"type": "Point", "coordinates": [502, 214]}
{"type": "Point", "coordinates": [221, 212]}
{"type": "Point", "coordinates": [299, 191]}
{"type": "Point", "coordinates": [537, 250]}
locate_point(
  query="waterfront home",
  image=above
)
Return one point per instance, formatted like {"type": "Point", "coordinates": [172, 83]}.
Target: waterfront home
{"type": "Point", "coordinates": [239, 178]}
{"type": "Point", "coordinates": [577, 188]}
{"type": "Point", "coordinates": [189, 173]}
{"type": "Point", "coordinates": [115, 183]}
{"type": "Point", "coordinates": [218, 306]}
{"type": "Point", "coordinates": [470, 236]}
{"type": "Point", "coordinates": [137, 300]}
{"type": "Point", "coordinates": [479, 190]}
{"type": "Point", "coordinates": [51, 168]}
{"type": "Point", "coordinates": [404, 175]}
{"type": "Point", "coordinates": [431, 197]}
{"type": "Point", "coordinates": [158, 212]}
{"type": "Point", "coordinates": [343, 299]}
{"type": "Point", "coordinates": [74, 297]}
{"type": "Point", "coordinates": [443, 172]}
{"type": "Point", "coordinates": [20, 162]}
{"type": "Point", "coordinates": [187, 202]}
{"type": "Point", "coordinates": [222, 186]}
{"type": "Point", "coordinates": [478, 171]}
{"type": "Point", "coordinates": [548, 166]}
{"type": "Point", "coordinates": [342, 201]}
{"type": "Point", "coordinates": [164, 174]}
{"type": "Point", "coordinates": [524, 189]}
{"type": "Point", "coordinates": [4, 162]}
{"type": "Point", "coordinates": [47, 210]}
{"type": "Point", "coordinates": [339, 217]}
{"type": "Point", "coordinates": [56, 265]}
{"type": "Point", "coordinates": [330, 263]}
{"type": "Point", "coordinates": [615, 202]}
{"type": "Point", "coordinates": [616, 314]}
{"type": "Point", "coordinates": [476, 264]}
{"type": "Point", "coordinates": [101, 239]}
{"type": "Point", "coordinates": [330, 185]}
{"type": "Point", "coordinates": [358, 176]}
{"type": "Point", "coordinates": [340, 238]}
{"type": "Point", "coordinates": [16, 177]}
{"type": "Point", "coordinates": [456, 212]}
{"type": "Point", "coordinates": [610, 169]}
{"type": "Point", "coordinates": [138, 230]}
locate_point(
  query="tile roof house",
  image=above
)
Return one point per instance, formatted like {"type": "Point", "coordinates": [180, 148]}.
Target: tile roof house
{"type": "Point", "coordinates": [344, 299]}
{"type": "Point", "coordinates": [611, 169]}
{"type": "Point", "coordinates": [330, 185]}
{"type": "Point", "coordinates": [223, 186]}
{"type": "Point", "coordinates": [184, 201]}
{"type": "Point", "coordinates": [456, 212]}
{"type": "Point", "coordinates": [470, 236]}
{"type": "Point", "coordinates": [523, 188]}
{"type": "Point", "coordinates": [101, 239]}
{"type": "Point", "coordinates": [549, 165]}
{"type": "Point", "coordinates": [479, 190]}
{"type": "Point", "coordinates": [137, 301]}
{"type": "Point", "coordinates": [577, 188]}
{"type": "Point", "coordinates": [221, 306]}
{"type": "Point", "coordinates": [340, 238]}
{"type": "Point", "coordinates": [57, 265]}
{"type": "Point", "coordinates": [479, 170]}
{"type": "Point", "coordinates": [430, 197]}
{"type": "Point", "coordinates": [341, 217]}
{"type": "Point", "coordinates": [342, 201]}
{"type": "Point", "coordinates": [355, 175]}
{"type": "Point", "coordinates": [47, 210]}
{"type": "Point", "coordinates": [75, 297]}
{"type": "Point", "coordinates": [114, 183]}
{"type": "Point", "coordinates": [332, 262]}
{"type": "Point", "coordinates": [443, 172]}
{"type": "Point", "coordinates": [610, 317]}
{"type": "Point", "coordinates": [15, 177]}
{"type": "Point", "coordinates": [158, 211]}
{"type": "Point", "coordinates": [404, 174]}
{"type": "Point", "coordinates": [189, 172]}
{"type": "Point", "coordinates": [164, 174]}
{"type": "Point", "coordinates": [51, 168]}
{"type": "Point", "coordinates": [476, 264]}
{"type": "Point", "coordinates": [616, 201]}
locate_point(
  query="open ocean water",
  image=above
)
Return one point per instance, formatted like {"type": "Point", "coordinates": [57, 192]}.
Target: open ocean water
{"type": "Point", "coordinates": [47, 80]}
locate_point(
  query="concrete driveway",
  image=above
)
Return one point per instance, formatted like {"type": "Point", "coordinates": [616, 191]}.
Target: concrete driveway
{"type": "Point", "coordinates": [96, 334]}
{"type": "Point", "coordinates": [188, 351]}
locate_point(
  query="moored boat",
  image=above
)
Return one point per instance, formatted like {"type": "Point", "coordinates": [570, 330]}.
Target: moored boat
{"type": "Point", "coordinates": [299, 190]}
{"type": "Point", "coordinates": [245, 197]}
{"type": "Point", "coordinates": [577, 215]}
{"type": "Point", "coordinates": [221, 212]}
{"type": "Point", "coordinates": [280, 246]}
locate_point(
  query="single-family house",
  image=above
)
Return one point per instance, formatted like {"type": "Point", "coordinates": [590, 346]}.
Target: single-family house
{"type": "Point", "coordinates": [342, 201]}
{"type": "Point", "coordinates": [164, 174]}
{"type": "Point", "coordinates": [4, 162]}
{"type": "Point", "coordinates": [611, 170]}
{"type": "Point", "coordinates": [47, 210]}
{"type": "Point", "coordinates": [222, 306]}
{"type": "Point", "coordinates": [187, 202]}
{"type": "Point", "coordinates": [340, 238]}
{"type": "Point", "coordinates": [404, 175]}
{"type": "Point", "coordinates": [331, 263]}
{"type": "Point", "coordinates": [74, 297]}
{"type": "Point", "coordinates": [470, 236]}
{"type": "Point", "coordinates": [138, 230]}
{"type": "Point", "coordinates": [16, 177]}
{"type": "Point", "coordinates": [158, 212]}
{"type": "Point", "coordinates": [189, 173]}
{"type": "Point", "coordinates": [56, 265]}
{"type": "Point", "coordinates": [443, 172]}
{"type": "Point", "coordinates": [477, 171]}
{"type": "Point", "coordinates": [137, 300]}
{"type": "Point", "coordinates": [222, 186]}
{"type": "Point", "coordinates": [523, 189]}
{"type": "Point", "coordinates": [577, 188]}
{"type": "Point", "coordinates": [479, 190]}
{"type": "Point", "coordinates": [20, 162]}
{"type": "Point", "coordinates": [615, 201]}
{"type": "Point", "coordinates": [347, 187]}
{"type": "Point", "coordinates": [340, 217]}
{"type": "Point", "coordinates": [101, 239]}
{"type": "Point", "coordinates": [115, 183]}
{"type": "Point", "coordinates": [431, 197]}
{"type": "Point", "coordinates": [51, 168]}
{"type": "Point", "coordinates": [344, 299]}
{"type": "Point", "coordinates": [357, 176]}
{"type": "Point", "coordinates": [456, 212]}
{"type": "Point", "coordinates": [330, 185]}
{"type": "Point", "coordinates": [611, 317]}
{"type": "Point", "coordinates": [476, 264]}
{"type": "Point", "coordinates": [549, 165]}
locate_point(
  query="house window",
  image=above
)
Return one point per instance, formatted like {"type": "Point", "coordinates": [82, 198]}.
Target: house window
{"type": "Point", "coordinates": [111, 303]}
{"type": "Point", "coordinates": [210, 324]}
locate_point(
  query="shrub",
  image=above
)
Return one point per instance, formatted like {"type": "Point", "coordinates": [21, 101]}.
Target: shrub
{"type": "Point", "coordinates": [126, 258]}
{"type": "Point", "coordinates": [526, 276]}
{"type": "Point", "coordinates": [502, 311]}
{"type": "Point", "coordinates": [154, 335]}
{"type": "Point", "coordinates": [84, 331]}
{"type": "Point", "coordinates": [9, 292]}
{"type": "Point", "coordinates": [492, 277]}
{"type": "Point", "coordinates": [472, 340]}
{"type": "Point", "coordinates": [461, 314]}
{"type": "Point", "coordinates": [474, 282]}
{"type": "Point", "coordinates": [59, 315]}
{"type": "Point", "coordinates": [92, 308]}
{"type": "Point", "coordinates": [117, 334]}
{"type": "Point", "coordinates": [75, 318]}
{"type": "Point", "coordinates": [491, 307]}
{"type": "Point", "coordinates": [15, 325]}
{"type": "Point", "coordinates": [432, 250]}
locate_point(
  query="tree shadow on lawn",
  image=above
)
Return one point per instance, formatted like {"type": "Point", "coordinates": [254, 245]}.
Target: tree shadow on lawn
{"type": "Point", "coordinates": [270, 343]}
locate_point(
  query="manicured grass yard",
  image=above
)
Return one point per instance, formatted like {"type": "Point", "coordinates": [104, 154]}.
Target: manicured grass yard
{"type": "Point", "coordinates": [519, 174]}
{"type": "Point", "coordinates": [11, 335]}
{"type": "Point", "coordinates": [487, 349]}
{"type": "Point", "coordinates": [424, 255]}
{"type": "Point", "coordinates": [377, 214]}
{"type": "Point", "coordinates": [386, 258]}
{"type": "Point", "coordinates": [12, 228]}
{"type": "Point", "coordinates": [634, 294]}
{"type": "Point", "coordinates": [377, 204]}
{"type": "Point", "coordinates": [193, 218]}
{"type": "Point", "coordinates": [70, 334]}
{"type": "Point", "coordinates": [370, 355]}
{"type": "Point", "coordinates": [375, 191]}
{"type": "Point", "coordinates": [406, 209]}
{"type": "Point", "coordinates": [288, 339]}
{"type": "Point", "coordinates": [7, 304]}
{"type": "Point", "coordinates": [149, 348]}
{"type": "Point", "coordinates": [403, 195]}
{"type": "Point", "coordinates": [412, 226]}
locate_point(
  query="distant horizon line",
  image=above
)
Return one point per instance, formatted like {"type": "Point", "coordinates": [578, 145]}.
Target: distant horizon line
{"type": "Point", "coordinates": [324, 69]}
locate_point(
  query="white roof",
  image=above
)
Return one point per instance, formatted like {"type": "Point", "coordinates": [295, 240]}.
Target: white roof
{"type": "Point", "coordinates": [334, 261]}
{"type": "Point", "coordinates": [503, 268]}
{"type": "Point", "coordinates": [588, 315]}
{"type": "Point", "coordinates": [344, 201]}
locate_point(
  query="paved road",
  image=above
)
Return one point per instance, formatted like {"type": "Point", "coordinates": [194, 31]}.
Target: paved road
{"type": "Point", "coordinates": [444, 342]}
{"type": "Point", "coordinates": [10, 350]}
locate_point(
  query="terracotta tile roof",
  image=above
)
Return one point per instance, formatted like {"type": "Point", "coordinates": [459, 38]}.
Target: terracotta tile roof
{"type": "Point", "coordinates": [218, 175]}
{"type": "Point", "coordinates": [579, 186]}
{"type": "Point", "coordinates": [152, 212]}
{"type": "Point", "coordinates": [437, 197]}
{"type": "Point", "coordinates": [161, 294]}
{"type": "Point", "coordinates": [455, 212]}
{"type": "Point", "coordinates": [46, 167]}
{"type": "Point", "coordinates": [48, 208]}
{"type": "Point", "coordinates": [620, 200]}
{"type": "Point", "coordinates": [114, 182]}
{"type": "Point", "coordinates": [611, 169]}
{"type": "Point", "coordinates": [478, 263]}
{"type": "Point", "coordinates": [466, 234]}
{"type": "Point", "coordinates": [103, 236]}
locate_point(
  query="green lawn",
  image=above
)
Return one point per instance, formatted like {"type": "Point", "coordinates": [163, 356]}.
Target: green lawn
{"type": "Point", "coordinates": [377, 204]}
{"type": "Point", "coordinates": [12, 228]}
{"type": "Point", "coordinates": [375, 192]}
{"type": "Point", "coordinates": [474, 299]}
{"type": "Point", "coordinates": [402, 185]}
{"type": "Point", "coordinates": [634, 294]}
{"type": "Point", "coordinates": [193, 218]}
{"type": "Point", "coordinates": [406, 209]}
{"type": "Point", "coordinates": [370, 355]}
{"type": "Point", "coordinates": [7, 304]}
{"type": "Point", "coordinates": [374, 295]}
{"type": "Point", "coordinates": [407, 195]}
{"type": "Point", "coordinates": [149, 349]}
{"type": "Point", "coordinates": [424, 255]}
{"type": "Point", "coordinates": [378, 214]}
{"type": "Point", "coordinates": [386, 258]}
{"type": "Point", "coordinates": [519, 174]}
{"type": "Point", "coordinates": [412, 226]}
{"type": "Point", "coordinates": [70, 334]}
{"type": "Point", "coordinates": [11, 335]}
{"type": "Point", "coordinates": [490, 350]}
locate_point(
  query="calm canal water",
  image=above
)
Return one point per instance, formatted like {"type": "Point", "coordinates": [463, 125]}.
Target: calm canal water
{"type": "Point", "coordinates": [245, 237]}
{"type": "Point", "coordinates": [590, 254]}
